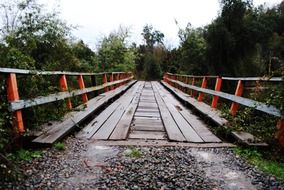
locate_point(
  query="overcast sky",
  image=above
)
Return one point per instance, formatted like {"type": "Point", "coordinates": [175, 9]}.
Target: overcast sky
{"type": "Point", "coordinates": [97, 18]}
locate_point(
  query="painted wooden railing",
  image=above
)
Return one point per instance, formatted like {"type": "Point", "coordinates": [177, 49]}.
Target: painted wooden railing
{"type": "Point", "coordinates": [111, 80]}
{"type": "Point", "coordinates": [189, 82]}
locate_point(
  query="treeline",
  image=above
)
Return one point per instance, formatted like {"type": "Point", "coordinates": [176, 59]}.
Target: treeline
{"type": "Point", "coordinates": [242, 41]}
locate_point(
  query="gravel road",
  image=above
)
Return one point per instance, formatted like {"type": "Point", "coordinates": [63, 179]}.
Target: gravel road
{"type": "Point", "coordinates": [83, 165]}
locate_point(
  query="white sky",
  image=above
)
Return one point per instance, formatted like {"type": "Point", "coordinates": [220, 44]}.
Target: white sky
{"type": "Point", "coordinates": [97, 18]}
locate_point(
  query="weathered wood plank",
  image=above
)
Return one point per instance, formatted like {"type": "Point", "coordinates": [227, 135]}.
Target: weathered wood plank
{"type": "Point", "coordinates": [213, 114]}
{"type": "Point", "coordinates": [122, 128]}
{"type": "Point", "coordinates": [183, 125]}
{"type": "Point", "coordinates": [59, 131]}
{"type": "Point", "coordinates": [147, 135]}
{"type": "Point", "coordinates": [20, 104]}
{"type": "Point", "coordinates": [152, 127]}
{"type": "Point", "coordinates": [147, 114]}
{"type": "Point", "coordinates": [89, 130]}
{"type": "Point", "coordinates": [107, 128]}
{"type": "Point", "coordinates": [36, 72]}
{"type": "Point", "coordinates": [248, 139]}
{"type": "Point", "coordinates": [269, 109]}
{"type": "Point", "coordinates": [199, 126]}
{"type": "Point", "coordinates": [174, 133]}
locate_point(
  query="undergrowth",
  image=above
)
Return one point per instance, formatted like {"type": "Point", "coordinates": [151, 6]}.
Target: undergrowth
{"type": "Point", "coordinates": [260, 160]}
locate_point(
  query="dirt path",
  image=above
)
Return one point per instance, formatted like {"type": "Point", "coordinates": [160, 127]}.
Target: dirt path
{"type": "Point", "coordinates": [84, 165]}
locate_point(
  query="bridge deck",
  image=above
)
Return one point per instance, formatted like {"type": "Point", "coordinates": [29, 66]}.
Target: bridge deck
{"type": "Point", "coordinates": [148, 111]}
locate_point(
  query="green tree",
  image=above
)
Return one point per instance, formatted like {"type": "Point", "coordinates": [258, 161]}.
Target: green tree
{"type": "Point", "coordinates": [114, 53]}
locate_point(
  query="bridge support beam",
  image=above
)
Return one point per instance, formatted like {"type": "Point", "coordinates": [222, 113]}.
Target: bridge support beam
{"type": "Point", "coordinates": [64, 87]}
{"type": "Point", "coordinates": [203, 85]}
{"type": "Point", "coordinates": [239, 92]}
{"type": "Point", "coordinates": [217, 88]}
{"type": "Point", "coordinates": [13, 95]}
{"type": "Point", "coordinates": [82, 87]}
{"type": "Point", "coordinates": [105, 81]}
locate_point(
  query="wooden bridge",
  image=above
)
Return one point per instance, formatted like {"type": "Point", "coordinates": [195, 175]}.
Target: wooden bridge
{"type": "Point", "coordinates": [154, 110]}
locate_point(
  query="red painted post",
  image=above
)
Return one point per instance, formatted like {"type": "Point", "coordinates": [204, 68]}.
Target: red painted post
{"type": "Point", "coordinates": [192, 83]}
{"type": "Point", "coordinates": [203, 85]}
{"type": "Point", "coordinates": [13, 95]}
{"type": "Point", "coordinates": [64, 87]}
{"type": "Point", "coordinates": [280, 132]}
{"type": "Point", "coordinates": [239, 92]}
{"type": "Point", "coordinates": [117, 78]}
{"type": "Point", "coordinates": [111, 80]}
{"type": "Point", "coordinates": [217, 88]}
{"type": "Point", "coordinates": [105, 81]}
{"type": "Point", "coordinates": [82, 87]}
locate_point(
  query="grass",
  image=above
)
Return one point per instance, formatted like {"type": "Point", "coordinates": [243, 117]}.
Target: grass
{"type": "Point", "coordinates": [26, 155]}
{"type": "Point", "coordinates": [134, 153]}
{"type": "Point", "coordinates": [256, 158]}
{"type": "Point", "coordinates": [59, 146]}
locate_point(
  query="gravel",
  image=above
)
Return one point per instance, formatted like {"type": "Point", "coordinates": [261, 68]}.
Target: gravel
{"type": "Point", "coordinates": [83, 165]}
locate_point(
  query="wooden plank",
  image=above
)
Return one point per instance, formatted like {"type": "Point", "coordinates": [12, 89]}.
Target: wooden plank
{"type": "Point", "coordinates": [36, 72]}
{"type": "Point", "coordinates": [213, 114]}
{"type": "Point", "coordinates": [107, 128]}
{"type": "Point", "coordinates": [142, 104]}
{"type": "Point", "coordinates": [147, 114]}
{"type": "Point", "coordinates": [89, 130]}
{"type": "Point", "coordinates": [198, 126]}
{"type": "Point", "coordinates": [269, 109]}
{"type": "Point", "coordinates": [147, 135]}
{"type": "Point", "coordinates": [183, 125]}
{"type": "Point", "coordinates": [248, 139]}
{"type": "Point", "coordinates": [174, 133]}
{"type": "Point", "coordinates": [122, 128]}
{"type": "Point", "coordinates": [144, 127]}
{"type": "Point", "coordinates": [147, 110]}
{"type": "Point", "coordinates": [20, 104]}
{"type": "Point", "coordinates": [59, 131]}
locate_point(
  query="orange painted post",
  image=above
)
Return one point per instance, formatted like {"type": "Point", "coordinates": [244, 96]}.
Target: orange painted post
{"type": "Point", "coordinates": [111, 80]}
{"type": "Point", "coordinates": [117, 78]}
{"type": "Point", "coordinates": [192, 83]}
{"type": "Point", "coordinates": [13, 95]}
{"type": "Point", "coordinates": [82, 87]}
{"type": "Point", "coordinates": [64, 87]}
{"type": "Point", "coordinates": [203, 85]}
{"type": "Point", "coordinates": [239, 92]}
{"type": "Point", "coordinates": [280, 132]}
{"type": "Point", "coordinates": [217, 88]}
{"type": "Point", "coordinates": [105, 81]}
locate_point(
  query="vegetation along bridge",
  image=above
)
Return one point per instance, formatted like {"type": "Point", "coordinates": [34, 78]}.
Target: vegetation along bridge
{"type": "Point", "coordinates": [117, 108]}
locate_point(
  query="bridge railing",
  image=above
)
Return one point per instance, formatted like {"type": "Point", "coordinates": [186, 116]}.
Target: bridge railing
{"type": "Point", "coordinates": [111, 80]}
{"type": "Point", "coordinates": [189, 82]}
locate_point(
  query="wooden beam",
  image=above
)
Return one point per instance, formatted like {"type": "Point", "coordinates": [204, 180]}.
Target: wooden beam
{"type": "Point", "coordinates": [239, 92]}
{"type": "Point", "coordinates": [13, 95]}
{"type": "Point", "coordinates": [64, 88]}
{"type": "Point", "coordinates": [203, 85]}
{"type": "Point", "coordinates": [82, 87]}
{"type": "Point", "coordinates": [20, 104]}
{"type": "Point", "coordinates": [217, 88]}
{"type": "Point", "coordinates": [269, 109]}
{"type": "Point", "coordinates": [105, 81]}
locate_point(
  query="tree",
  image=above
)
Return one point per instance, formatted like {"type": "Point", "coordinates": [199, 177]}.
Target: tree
{"type": "Point", "coordinates": [114, 54]}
